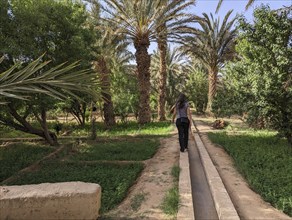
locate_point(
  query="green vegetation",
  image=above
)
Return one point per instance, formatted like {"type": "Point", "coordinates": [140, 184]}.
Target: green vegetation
{"type": "Point", "coordinates": [265, 161]}
{"type": "Point", "coordinates": [16, 157]}
{"type": "Point", "coordinates": [132, 149]}
{"type": "Point", "coordinates": [89, 161]}
{"type": "Point", "coordinates": [137, 200]}
{"type": "Point", "coordinates": [115, 179]}
{"type": "Point", "coordinates": [170, 202]}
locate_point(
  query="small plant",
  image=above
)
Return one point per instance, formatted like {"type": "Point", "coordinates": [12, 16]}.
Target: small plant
{"type": "Point", "coordinates": [137, 201]}
{"type": "Point", "coordinates": [171, 201]}
{"type": "Point", "coordinates": [175, 171]}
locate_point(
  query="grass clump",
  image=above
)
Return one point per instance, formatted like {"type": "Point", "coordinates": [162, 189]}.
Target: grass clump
{"type": "Point", "coordinates": [115, 179]}
{"type": "Point", "coordinates": [17, 156]}
{"type": "Point", "coordinates": [265, 161]}
{"type": "Point", "coordinates": [170, 202]}
{"type": "Point", "coordinates": [137, 201]}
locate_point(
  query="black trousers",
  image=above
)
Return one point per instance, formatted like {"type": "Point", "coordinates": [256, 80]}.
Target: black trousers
{"type": "Point", "coordinates": [183, 133]}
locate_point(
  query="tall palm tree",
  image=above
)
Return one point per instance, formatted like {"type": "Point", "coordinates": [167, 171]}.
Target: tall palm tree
{"type": "Point", "coordinates": [139, 21]}
{"type": "Point", "coordinates": [213, 44]}
{"type": "Point", "coordinates": [175, 76]}
{"type": "Point", "coordinates": [181, 27]}
{"type": "Point", "coordinates": [110, 47]}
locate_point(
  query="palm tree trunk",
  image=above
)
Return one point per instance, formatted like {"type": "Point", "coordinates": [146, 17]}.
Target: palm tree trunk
{"type": "Point", "coordinates": [143, 69]}
{"type": "Point", "coordinates": [108, 108]}
{"type": "Point", "coordinates": [212, 88]}
{"type": "Point", "coordinates": [162, 46]}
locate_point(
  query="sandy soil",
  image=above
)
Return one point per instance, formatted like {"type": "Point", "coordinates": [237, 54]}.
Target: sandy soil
{"type": "Point", "coordinates": [156, 180]}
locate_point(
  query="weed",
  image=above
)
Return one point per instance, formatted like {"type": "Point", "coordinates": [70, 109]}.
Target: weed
{"type": "Point", "coordinates": [137, 201]}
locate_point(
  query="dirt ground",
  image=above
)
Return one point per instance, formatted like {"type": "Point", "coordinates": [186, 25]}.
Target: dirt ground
{"type": "Point", "coordinates": [151, 186]}
{"type": "Point", "coordinates": [156, 180]}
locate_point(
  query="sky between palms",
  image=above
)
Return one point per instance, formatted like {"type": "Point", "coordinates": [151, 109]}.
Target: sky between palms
{"type": "Point", "coordinates": [238, 6]}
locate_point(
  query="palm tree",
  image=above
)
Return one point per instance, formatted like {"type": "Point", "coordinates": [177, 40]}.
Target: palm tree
{"type": "Point", "coordinates": [213, 45]}
{"type": "Point", "coordinates": [110, 47]}
{"type": "Point", "coordinates": [139, 21]}
{"type": "Point", "coordinates": [180, 27]}
{"type": "Point", "coordinates": [249, 3]}
{"type": "Point", "coordinates": [58, 82]}
{"type": "Point", "coordinates": [175, 76]}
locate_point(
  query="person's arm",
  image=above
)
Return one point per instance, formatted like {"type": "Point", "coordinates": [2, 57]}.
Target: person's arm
{"type": "Point", "coordinates": [174, 114]}
{"type": "Point", "coordinates": [190, 116]}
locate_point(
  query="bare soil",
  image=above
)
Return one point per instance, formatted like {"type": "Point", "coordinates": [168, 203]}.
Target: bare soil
{"type": "Point", "coordinates": [146, 196]}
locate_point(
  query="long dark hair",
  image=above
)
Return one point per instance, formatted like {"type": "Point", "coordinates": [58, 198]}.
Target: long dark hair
{"type": "Point", "coordinates": [182, 99]}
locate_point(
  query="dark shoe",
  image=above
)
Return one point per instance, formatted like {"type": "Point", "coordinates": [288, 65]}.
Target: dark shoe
{"type": "Point", "coordinates": [182, 150]}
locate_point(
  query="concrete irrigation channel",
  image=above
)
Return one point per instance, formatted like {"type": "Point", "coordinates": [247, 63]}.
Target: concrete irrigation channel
{"type": "Point", "coordinates": [209, 197]}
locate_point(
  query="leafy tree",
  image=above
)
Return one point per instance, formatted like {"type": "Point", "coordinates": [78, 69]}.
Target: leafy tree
{"type": "Point", "coordinates": [261, 79]}
{"type": "Point", "coordinates": [58, 28]}
{"type": "Point", "coordinates": [165, 35]}
{"type": "Point", "coordinates": [197, 85]}
{"type": "Point", "coordinates": [213, 45]}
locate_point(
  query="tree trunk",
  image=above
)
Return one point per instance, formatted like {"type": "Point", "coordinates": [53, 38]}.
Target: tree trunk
{"type": "Point", "coordinates": [108, 108]}
{"type": "Point", "coordinates": [212, 88]}
{"type": "Point", "coordinates": [162, 46]}
{"type": "Point", "coordinates": [143, 69]}
{"type": "Point", "coordinates": [24, 126]}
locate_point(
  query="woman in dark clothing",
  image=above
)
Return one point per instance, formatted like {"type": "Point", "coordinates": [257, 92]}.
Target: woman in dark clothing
{"type": "Point", "coordinates": [182, 113]}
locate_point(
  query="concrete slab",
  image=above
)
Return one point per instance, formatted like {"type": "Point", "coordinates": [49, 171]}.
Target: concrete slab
{"type": "Point", "coordinates": [68, 200]}
{"type": "Point", "coordinates": [186, 210]}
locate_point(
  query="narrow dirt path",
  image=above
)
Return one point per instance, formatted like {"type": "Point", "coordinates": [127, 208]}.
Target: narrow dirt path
{"type": "Point", "coordinates": [145, 197]}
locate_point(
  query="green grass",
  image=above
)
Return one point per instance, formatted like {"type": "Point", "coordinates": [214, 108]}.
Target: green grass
{"type": "Point", "coordinates": [170, 202]}
{"type": "Point", "coordinates": [121, 129]}
{"type": "Point", "coordinates": [115, 179]}
{"type": "Point", "coordinates": [137, 201]}
{"type": "Point", "coordinates": [130, 149]}
{"type": "Point", "coordinates": [129, 128]}
{"type": "Point", "coordinates": [265, 161]}
{"type": "Point", "coordinates": [18, 156]}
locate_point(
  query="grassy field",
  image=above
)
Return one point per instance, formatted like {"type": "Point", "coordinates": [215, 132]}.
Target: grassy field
{"type": "Point", "coordinates": [90, 161]}
{"type": "Point", "coordinates": [264, 160]}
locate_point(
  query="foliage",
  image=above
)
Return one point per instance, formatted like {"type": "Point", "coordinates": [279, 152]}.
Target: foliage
{"type": "Point", "coordinates": [141, 23]}
{"type": "Point", "coordinates": [115, 179]}
{"type": "Point", "coordinates": [134, 149]}
{"type": "Point", "coordinates": [58, 82]}
{"type": "Point", "coordinates": [265, 161]}
{"type": "Point", "coordinates": [196, 88]}
{"type": "Point", "coordinates": [16, 157]}
{"type": "Point", "coordinates": [176, 77]}
{"type": "Point", "coordinates": [58, 28]}
{"type": "Point", "coordinates": [261, 79]}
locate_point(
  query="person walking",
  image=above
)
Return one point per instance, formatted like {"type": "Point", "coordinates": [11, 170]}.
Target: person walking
{"type": "Point", "coordinates": [182, 113]}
